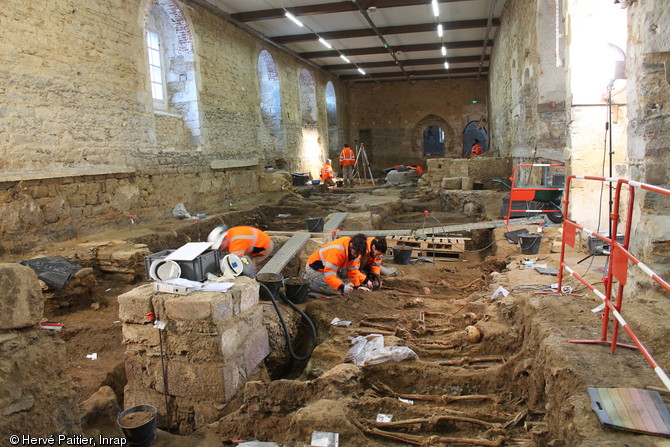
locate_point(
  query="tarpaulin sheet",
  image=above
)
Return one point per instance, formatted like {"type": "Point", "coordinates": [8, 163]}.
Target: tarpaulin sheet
{"type": "Point", "coordinates": [55, 271]}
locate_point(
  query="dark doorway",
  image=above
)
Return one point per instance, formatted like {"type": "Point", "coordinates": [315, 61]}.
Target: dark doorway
{"type": "Point", "coordinates": [365, 137]}
{"type": "Point", "coordinates": [433, 141]}
{"type": "Point", "coordinates": [471, 132]}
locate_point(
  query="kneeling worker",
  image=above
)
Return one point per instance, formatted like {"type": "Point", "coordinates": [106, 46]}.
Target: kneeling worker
{"type": "Point", "coordinates": [372, 261]}
{"type": "Point", "coordinates": [323, 264]}
{"type": "Point", "coordinates": [327, 174]}
{"type": "Point", "coordinates": [242, 241]}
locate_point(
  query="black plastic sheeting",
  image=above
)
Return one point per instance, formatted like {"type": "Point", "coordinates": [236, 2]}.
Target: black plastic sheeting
{"type": "Point", "coordinates": [55, 271]}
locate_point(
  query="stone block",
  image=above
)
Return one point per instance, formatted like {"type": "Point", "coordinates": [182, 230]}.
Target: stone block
{"type": "Point", "coordinates": [231, 379]}
{"type": "Point", "coordinates": [234, 333]}
{"type": "Point", "coordinates": [143, 371]}
{"type": "Point", "coordinates": [21, 301]}
{"type": "Point", "coordinates": [467, 183]}
{"type": "Point", "coordinates": [144, 334]}
{"type": "Point", "coordinates": [135, 304]}
{"type": "Point", "coordinates": [195, 346]}
{"type": "Point", "coordinates": [256, 348]}
{"type": "Point", "coordinates": [249, 294]}
{"type": "Point", "coordinates": [195, 380]}
{"type": "Point", "coordinates": [191, 307]}
{"type": "Point", "coordinates": [451, 183]}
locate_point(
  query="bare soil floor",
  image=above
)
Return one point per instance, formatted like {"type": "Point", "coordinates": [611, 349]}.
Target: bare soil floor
{"type": "Point", "coordinates": [489, 372]}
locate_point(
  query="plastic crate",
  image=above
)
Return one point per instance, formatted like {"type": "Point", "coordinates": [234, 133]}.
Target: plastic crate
{"type": "Point", "coordinates": [595, 246]}
{"type": "Point", "coordinates": [195, 270]}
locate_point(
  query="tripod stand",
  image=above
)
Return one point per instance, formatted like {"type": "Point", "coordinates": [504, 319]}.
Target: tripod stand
{"type": "Point", "coordinates": [365, 164]}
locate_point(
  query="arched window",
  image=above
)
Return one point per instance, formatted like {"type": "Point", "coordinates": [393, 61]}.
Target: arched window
{"type": "Point", "coordinates": [433, 141]}
{"type": "Point", "coordinates": [475, 130]}
{"type": "Point", "coordinates": [307, 99]}
{"type": "Point", "coordinates": [171, 65]}
{"type": "Point", "coordinates": [331, 114]}
{"type": "Point", "coordinates": [270, 97]}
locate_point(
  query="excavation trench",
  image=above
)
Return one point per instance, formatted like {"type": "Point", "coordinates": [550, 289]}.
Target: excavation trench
{"type": "Point", "coordinates": [490, 371]}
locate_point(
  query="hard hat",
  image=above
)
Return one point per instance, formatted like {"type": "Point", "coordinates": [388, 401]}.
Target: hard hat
{"type": "Point", "coordinates": [217, 235]}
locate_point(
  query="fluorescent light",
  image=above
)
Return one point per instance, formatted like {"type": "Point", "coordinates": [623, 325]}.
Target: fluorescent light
{"type": "Point", "coordinates": [345, 59]}
{"type": "Point", "coordinates": [293, 19]}
{"type": "Point", "coordinates": [446, 65]}
{"type": "Point", "coordinates": [324, 43]}
{"type": "Point", "coordinates": [440, 31]}
{"type": "Point", "coordinates": [444, 50]}
{"type": "Point", "coordinates": [436, 9]}
{"type": "Point", "coordinates": [360, 70]}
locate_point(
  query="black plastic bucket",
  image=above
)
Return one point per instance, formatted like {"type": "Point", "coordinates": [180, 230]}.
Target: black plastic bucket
{"type": "Point", "coordinates": [299, 179]}
{"type": "Point", "coordinates": [314, 224]}
{"type": "Point", "coordinates": [142, 435]}
{"type": "Point", "coordinates": [401, 254]}
{"type": "Point", "coordinates": [296, 290]}
{"type": "Point", "coordinates": [272, 281]}
{"type": "Point", "coordinates": [530, 244]}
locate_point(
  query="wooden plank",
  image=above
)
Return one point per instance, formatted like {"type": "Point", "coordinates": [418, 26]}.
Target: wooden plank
{"type": "Point", "coordinates": [642, 409]}
{"type": "Point", "coordinates": [662, 411]}
{"type": "Point", "coordinates": [609, 407]}
{"type": "Point", "coordinates": [627, 399]}
{"type": "Point", "coordinates": [626, 421]}
{"type": "Point", "coordinates": [648, 398]}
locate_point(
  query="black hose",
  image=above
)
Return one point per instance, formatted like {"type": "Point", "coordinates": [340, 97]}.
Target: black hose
{"type": "Point", "coordinates": [287, 335]}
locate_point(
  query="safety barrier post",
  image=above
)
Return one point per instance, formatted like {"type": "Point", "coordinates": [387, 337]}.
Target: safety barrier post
{"type": "Point", "coordinates": [617, 268]}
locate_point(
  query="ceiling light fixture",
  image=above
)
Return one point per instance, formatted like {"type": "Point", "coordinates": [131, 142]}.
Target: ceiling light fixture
{"type": "Point", "coordinates": [293, 19]}
{"type": "Point", "coordinates": [360, 70]}
{"type": "Point", "coordinates": [436, 9]}
{"type": "Point", "coordinates": [345, 59]}
{"type": "Point", "coordinates": [444, 50]}
{"type": "Point", "coordinates": [440, 31]}
{"type": "Point", "coordinates": [446, 65]}
{"type": "Point", "coordinates": [324, 43]}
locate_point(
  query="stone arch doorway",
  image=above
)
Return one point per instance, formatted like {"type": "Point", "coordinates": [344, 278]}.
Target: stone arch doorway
{"type": "Point", "coordinates": [437, 133]}
{"type": "Point", "coordinates": [474, 130]}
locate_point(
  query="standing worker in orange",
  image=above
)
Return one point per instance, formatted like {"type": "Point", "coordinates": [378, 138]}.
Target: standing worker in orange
{"type": "Point", "coordinates": [347, 162]}
{"type": "Point", "coordinates": [476, 149]}
{"type": "Point", "coordinates": [242, 241]}
{"type": "Point", "coordinates": [327, 174]}
{"type": "Point", "coordinates": [342, 253]}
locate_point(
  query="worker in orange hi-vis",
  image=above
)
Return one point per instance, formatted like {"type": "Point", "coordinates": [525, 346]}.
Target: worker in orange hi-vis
{"type": "Point", "coordinates": [327, 174]}
{"type": "Point", "coordinates": [242, 241]}
{"type": "Point", "coordinates": [371, 262]}
{"type": "Point", "coordinates": [476, 149]}
{"type": "Point", "coordinates": [347, 162]}
{"type": "Point", "coordinates": [342, 253]}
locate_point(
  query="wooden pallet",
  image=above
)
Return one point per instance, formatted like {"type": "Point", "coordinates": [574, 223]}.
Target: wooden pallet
{"type": "Point", "coordinates": [439, 247]}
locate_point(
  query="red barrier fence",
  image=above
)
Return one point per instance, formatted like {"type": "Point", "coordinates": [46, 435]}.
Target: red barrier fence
{"type": "Point", "coordinates": [617, 267]}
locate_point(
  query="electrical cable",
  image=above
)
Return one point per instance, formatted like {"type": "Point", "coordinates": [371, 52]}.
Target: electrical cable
{"type": "Point", "coordinates": [287, 335]}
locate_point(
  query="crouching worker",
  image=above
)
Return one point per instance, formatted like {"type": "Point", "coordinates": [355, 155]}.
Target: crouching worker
{"type": "Point", "coordinates": [251, 244]}
{"type": "Point", "coordinates": [327, 174]}
{"type": "Point", "coordinates": [323, 264]}
{"type": "Point", "coordinates": [372, 262]}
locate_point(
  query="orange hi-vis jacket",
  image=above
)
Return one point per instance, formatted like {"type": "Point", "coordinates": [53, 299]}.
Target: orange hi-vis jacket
{"type": "Point", "coordinates": [334, 256]}
{"type": "Point", "coordinates": [347, 157]}
{"type": "Point", "coordinates": [476, 150]}
{"type": "Point", "coordinates": [247, 241]}
{"type": "Point", "coordinates": [374, 264]}
{"type": "Point", "coordinates": [326, 171]}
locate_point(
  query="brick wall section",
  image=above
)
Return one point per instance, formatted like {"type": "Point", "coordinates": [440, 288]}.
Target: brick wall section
{"type": "Point", "coordinates": [212, 344]}
{"type": "Point", "coordinates": [392, 111]}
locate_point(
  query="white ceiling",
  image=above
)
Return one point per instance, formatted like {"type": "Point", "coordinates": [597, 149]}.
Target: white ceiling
{"type": "Point", "coordinates": [354, 32]}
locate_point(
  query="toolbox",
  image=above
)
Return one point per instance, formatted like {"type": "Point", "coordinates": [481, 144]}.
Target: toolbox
{"type": "Point", "coordinates": [195, 270]}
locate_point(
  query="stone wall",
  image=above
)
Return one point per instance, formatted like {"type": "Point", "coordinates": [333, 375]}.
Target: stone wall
{"type": "Point", "coordinates": [394, 115]}
{"type": "Point", "coordinates": [212, 343]}
{"type": "Point", "coordinates": [76, 100]}
{"type": "Point", "coordinates": [37, 398]}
